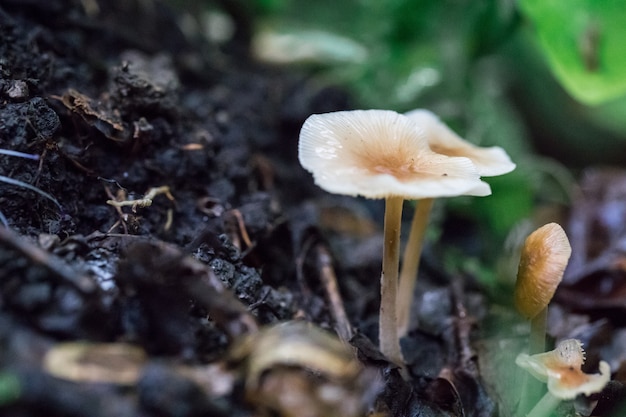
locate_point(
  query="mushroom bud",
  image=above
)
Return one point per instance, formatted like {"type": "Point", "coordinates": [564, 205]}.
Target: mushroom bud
{"type": "Point", "coordinates": [543, 260]}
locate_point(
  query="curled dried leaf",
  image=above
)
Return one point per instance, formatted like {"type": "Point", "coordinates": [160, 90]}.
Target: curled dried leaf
{"type": "Point", "coordinates": [294, 343]}
{"type": "Point", "coordinates": [294, 368]}
{"type": "Point", "coordinates": [115, 363]}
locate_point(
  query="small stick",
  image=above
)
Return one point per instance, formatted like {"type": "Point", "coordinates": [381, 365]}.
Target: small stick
{"type": "Point", "coordinates": [463, 324]}
{"type": "Point", "coordinates": [146, 201]}
{"type": "Point", "coordinates": [169, 220]}
{"type": "Point", "coordinates": [83, 283]}
{"type": "Point", "coordinates": [241, 225]}
{"type": "Point", "coordinates": [329, 280]}
{"type": "Point", "coordinates": [306, 246]}
{"type": "Point", "coordinates": [120, 213]}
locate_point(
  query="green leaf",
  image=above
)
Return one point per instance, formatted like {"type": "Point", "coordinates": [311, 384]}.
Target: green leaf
{"type": "Point", "coordinates": [583, 41]}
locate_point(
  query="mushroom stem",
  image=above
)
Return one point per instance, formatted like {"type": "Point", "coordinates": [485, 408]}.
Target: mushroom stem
{"type": "Point", "coordinates": [388, 331]}
{"type": "Point", "coordinates": [531, 388]}
{"type": "Point", "coordinates": [410, 264]}
{"type": "Point", "coordinates": [545, 406]}
{"type": "Point", "coordinates": [538, 325]}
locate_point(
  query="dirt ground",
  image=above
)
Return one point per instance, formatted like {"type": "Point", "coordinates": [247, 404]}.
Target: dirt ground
{"type": "Point", "coordinates": [173, 225]}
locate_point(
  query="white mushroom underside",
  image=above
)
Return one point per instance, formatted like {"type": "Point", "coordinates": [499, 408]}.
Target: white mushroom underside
{"type": "Point", "coordinates": [380, 153]}
{"type": "Point", "coordinates": [561, 369]}
{"type": "Point", "coordinates": [441, 139]}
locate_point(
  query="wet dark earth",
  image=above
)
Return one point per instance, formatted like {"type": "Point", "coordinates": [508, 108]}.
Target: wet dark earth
{"type": "Point", "coordinates": [159, 228]}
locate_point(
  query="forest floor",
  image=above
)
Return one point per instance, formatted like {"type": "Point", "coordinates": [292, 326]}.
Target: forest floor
{"type": "Point", "coordinates": [176, 229]}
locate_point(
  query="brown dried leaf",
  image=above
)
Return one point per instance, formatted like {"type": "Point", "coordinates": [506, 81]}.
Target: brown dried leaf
{"type": "Point", "coordinates": [595, 278]}
{"type": "Point", "coordinates": [116, 363]}
{"type": "Point", "coordinates": [297, 369]}
{"type": "Point", "coordinates": [96, 113]}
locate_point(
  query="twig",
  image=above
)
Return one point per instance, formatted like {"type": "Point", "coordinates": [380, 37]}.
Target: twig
{"type": "Point", "coordinates": [122, 216]}
{"type": "Point", "coordinates": [463, 324]}
{"type": "Point", "coordinates": [306, 246]}
{"type": "Point", "coordinates": [329, 281]}
{"type": "Point", "coordinates": [146, 201]}
{"type": "Point", "coordinates": [81, 282]}
{"type": "Point", "coordinates": [240, 231]}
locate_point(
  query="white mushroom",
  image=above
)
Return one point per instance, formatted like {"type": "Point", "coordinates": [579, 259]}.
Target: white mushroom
{"type": "Point", "coordinates": [561, 369]}
{"type": "Point", "coordinates": [489, 161]}
{"type": "Point", "coordinates": [442, 140]}
{"type": "Point", "coordinates": [379, 154]}
{"type": "Point", "coordinates": [383, 154]}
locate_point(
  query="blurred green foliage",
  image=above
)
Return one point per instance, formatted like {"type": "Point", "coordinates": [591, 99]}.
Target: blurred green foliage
{"type": "Point", "coordinates": [412, 48]}
{"type": "Point", "coordinates": [583, 41]}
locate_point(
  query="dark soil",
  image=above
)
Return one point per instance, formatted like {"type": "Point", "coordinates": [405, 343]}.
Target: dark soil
{"type": "Point", "coordinates": [117, 100]}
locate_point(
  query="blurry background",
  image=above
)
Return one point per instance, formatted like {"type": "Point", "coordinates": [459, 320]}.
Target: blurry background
{"type": "Point", "coordinates": [545, 80]}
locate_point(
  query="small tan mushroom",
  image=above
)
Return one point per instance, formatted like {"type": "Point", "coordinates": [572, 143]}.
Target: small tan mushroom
{"type": "Point", "coordinates": [382, 154]}
{"type": "Point", "coordinates": [442, 140]}
{"type": "Point", "coordinates": [545, 255]}
{"type": "Point", "coordinates": [561, 368]}
{"type": "Point", "coordinates": [544, 258]}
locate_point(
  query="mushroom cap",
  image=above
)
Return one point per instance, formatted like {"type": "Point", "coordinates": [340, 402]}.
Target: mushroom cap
{"type": "Point", "coordinates": [561, 369]}
{"type": "Point", "coordinates": [379, 154]}
{"type": "Point", "coordinates": [441, 139]}
{"type": "Point", "coordinates": [544, 257]}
